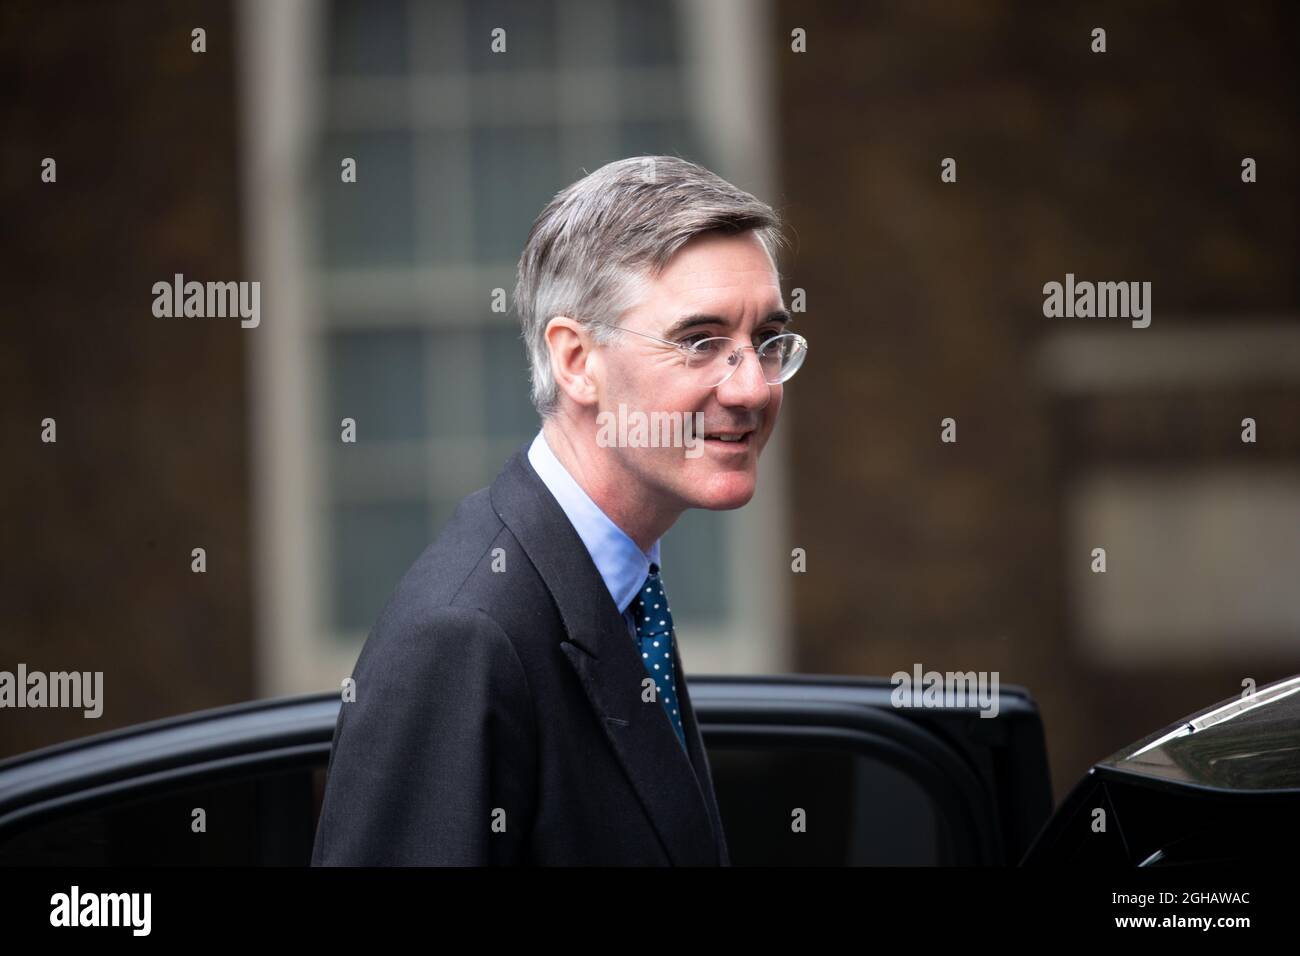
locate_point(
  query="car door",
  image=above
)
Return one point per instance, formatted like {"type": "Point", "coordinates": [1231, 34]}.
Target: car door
{"type": "Point", "coordinates": [809, 770]}
{"type": "Point", "coordinates": [137, 796]}
{"type": "Point", "coordinates": [876, 784]}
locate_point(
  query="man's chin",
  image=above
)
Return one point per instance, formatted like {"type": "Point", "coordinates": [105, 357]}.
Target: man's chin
{"type": "Point", "coordinates": [724, 493]}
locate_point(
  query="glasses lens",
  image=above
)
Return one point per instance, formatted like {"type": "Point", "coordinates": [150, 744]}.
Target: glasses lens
{"type": "Point", "coordinates": [781, 357]}
{"type": "Point", "coordinates": [772, 355]}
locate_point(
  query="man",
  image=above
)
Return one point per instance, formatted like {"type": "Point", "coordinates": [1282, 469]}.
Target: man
{"type": "Point", "coordinates": [521, 697]}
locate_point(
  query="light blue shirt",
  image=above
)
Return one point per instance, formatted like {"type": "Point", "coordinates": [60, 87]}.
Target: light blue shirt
{"type": "Point", "coordinates": [622, 565]}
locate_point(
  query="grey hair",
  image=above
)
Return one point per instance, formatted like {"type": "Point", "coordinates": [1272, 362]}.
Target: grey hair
{"type": "Point", "coordinates": [591, 250]}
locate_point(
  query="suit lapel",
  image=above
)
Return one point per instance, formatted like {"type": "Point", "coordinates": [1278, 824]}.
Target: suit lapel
{"type": "Point", "coordinates": [608, 665]}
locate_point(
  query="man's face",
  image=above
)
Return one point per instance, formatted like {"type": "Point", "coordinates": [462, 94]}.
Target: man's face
{"type": "Point", "coordinates": [716, 285]}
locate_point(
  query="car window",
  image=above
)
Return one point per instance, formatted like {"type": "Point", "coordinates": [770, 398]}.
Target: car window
{"type": "Point", "coordinates": [857, 811]}
{"type": "Point", "coordinates": [262, 819]}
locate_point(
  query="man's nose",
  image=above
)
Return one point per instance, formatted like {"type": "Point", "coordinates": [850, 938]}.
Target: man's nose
{"type": "Point", "coordinates": [747, 387]}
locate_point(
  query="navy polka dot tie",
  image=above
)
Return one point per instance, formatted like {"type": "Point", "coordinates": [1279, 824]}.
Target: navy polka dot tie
{"type": "Point", "coordinates": [654, 631]}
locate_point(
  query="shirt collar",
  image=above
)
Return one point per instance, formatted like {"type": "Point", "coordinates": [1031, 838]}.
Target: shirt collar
{"type": "Point", "coordinates": [622, 565]}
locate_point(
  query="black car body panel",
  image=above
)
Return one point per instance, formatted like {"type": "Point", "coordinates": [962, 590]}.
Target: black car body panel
{"type": "Point", "coordinates": [1221, 785]}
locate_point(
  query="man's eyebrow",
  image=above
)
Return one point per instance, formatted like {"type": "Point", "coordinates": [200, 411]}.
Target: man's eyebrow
{"type": "Point", "coordinates": [692, 321]}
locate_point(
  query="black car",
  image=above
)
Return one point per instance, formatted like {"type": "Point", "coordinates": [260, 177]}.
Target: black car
{"type": "Point", "coordinates": [877, 784]}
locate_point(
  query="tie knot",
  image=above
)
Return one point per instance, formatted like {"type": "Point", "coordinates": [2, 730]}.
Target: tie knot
{"type": "Point", "coordinates": [650, 607]}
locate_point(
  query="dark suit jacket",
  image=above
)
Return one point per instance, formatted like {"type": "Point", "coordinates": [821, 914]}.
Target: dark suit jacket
{"type": "Point", "coordinates": [480, 691]}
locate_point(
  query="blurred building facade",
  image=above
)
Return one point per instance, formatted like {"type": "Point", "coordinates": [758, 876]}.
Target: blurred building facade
{"type": "Point", "coordinates": [924, 301]}
{"type": "Point", "coordinates": [152, 457]}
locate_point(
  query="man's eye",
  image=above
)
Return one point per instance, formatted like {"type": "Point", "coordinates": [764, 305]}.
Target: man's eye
{"type": "Point", "coordinates": [695, 338]}
{"type": "Point", "coordinates": [766, 335]}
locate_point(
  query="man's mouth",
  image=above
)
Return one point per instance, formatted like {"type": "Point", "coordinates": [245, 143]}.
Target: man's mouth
{"type": "Point", "coordinates": [739, 439]}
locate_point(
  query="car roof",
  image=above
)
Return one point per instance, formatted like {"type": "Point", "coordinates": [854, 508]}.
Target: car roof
{"type": "Point", "coordinates": [1249, 743]}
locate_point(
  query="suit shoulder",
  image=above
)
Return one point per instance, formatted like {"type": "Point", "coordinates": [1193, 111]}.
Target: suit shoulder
{"type": "Point", "coordinates": [440, 571]}
{"type": "Point", "coordinates": [451, 647]}
{"type": "Point", "coordinates": [474, 582]}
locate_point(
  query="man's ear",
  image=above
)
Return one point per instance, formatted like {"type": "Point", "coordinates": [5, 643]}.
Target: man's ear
{"type": "Point", "coordinates": [572, 359]}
